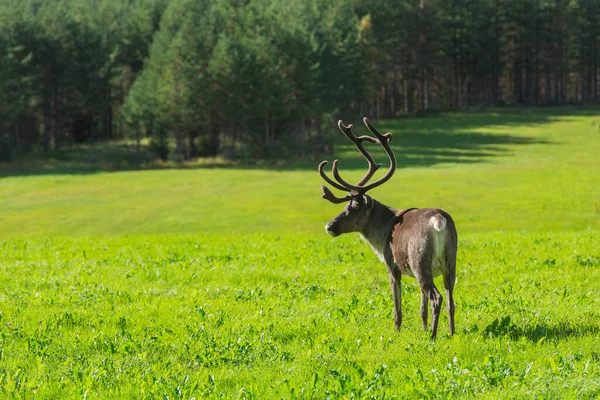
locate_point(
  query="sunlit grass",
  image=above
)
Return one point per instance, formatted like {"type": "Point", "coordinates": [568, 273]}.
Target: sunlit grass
{"type": "Point", "coordinates": [293, 317]}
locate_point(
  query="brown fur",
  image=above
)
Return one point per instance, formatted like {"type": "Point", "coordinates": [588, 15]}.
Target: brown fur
{"type": "Point", "coordinates": [409, 245]}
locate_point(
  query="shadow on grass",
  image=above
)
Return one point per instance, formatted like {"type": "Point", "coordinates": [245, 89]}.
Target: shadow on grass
{"type": "Point", "coordinates": [80, 160]}
{"type": "Point", "coordinates": [427, 149]}
{"type": "Point", "coordinates": [422, 140]}
{"type": "Point", "coordinates": [505, 327]}
{"type": "Point", "coordinates": [560, 330]}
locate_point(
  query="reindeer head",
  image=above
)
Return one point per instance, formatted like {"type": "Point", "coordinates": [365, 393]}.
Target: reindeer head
{"type": "Point", "coordinates": [356, 213]}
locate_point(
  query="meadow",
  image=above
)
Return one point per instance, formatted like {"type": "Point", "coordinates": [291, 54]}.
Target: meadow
{"type": "Point", "coordinates": [204, 282]}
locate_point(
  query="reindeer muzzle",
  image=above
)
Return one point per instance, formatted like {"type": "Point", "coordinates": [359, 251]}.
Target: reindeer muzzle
{"type": "Point", "coordinates": [333, 229]}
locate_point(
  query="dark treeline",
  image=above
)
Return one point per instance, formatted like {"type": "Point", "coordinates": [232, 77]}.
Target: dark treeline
{"type": "Point", "coordinates": [262, 78]}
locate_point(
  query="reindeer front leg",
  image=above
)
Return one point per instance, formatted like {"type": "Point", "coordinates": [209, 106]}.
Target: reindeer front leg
{"type": "Point", "coordinates": [396, 285]}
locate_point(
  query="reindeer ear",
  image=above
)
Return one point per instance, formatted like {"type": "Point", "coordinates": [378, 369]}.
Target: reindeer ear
{"type": "Point", "coordinates": [367, 200]}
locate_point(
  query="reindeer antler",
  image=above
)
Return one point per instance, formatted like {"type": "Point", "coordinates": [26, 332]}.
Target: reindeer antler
{"type": "Point", "coordinates": [328, 179]}
{"type": "Point", "coordinates": [328, 195]}
{"type": "Point", "coordinates": [361, 186]}
{"type": "Point", "coordinates": [384, 140]}
{"type": "Point", "coordinates": [373, 167]}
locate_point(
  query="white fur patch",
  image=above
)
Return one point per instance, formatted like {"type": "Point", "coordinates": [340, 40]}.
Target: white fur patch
{"type": "Point", "coordinates": [439, 252]}
{"type": "Point", "coordinates": [438, 222]}
{"type": "Point", "coordinates": [375, 249]}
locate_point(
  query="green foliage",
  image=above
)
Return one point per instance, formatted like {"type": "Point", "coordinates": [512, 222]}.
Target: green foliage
{"type": "Point", "coordinates": [258, 79]}
{"type": "Point", "coordinates": [255, 70]}
{"type": "Point", "coordinates": [66, 64]}
{"type": "Point", "coordinates": [291, 317]}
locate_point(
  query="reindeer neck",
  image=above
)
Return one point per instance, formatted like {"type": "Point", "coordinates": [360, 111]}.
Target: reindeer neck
{"type": "Point", "coordinates": [375, 230]}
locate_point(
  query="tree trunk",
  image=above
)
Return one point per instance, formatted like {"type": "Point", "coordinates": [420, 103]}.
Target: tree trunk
{"type": "Point", "coordinates": [212, 143]}
{"type": "Point", "coordinates": [581, 90]}
{"type": "Point", "coordinates": [138, 139]}
{"type": "Point", "coordinates": [595, 81]}
{"type": "Point", "coordinates": [55, 129]}
{"type": "Point", "coordinates": [529, 85]}
{"type": "Point", "coordinates": [548, 88]}
{"type": "Point", "coordinates": [405, 92]}
{"type": "Point", "coordinates": [379, 104]}
{"type": "Point", "coordinates": [18, 135]}
{"type": "Point", "coordinates": [594, 64]}
{"type": "Point", "coordinates": [192, 152]}
{"type": "Point", "coordinates": [424, 98]}
{"type": "Point", "coordinates": [486, 96]}
{"type": "Point", "coordinates": [234, 137]}
{"type": "Point", "coordinates": [564, 75]}
{"type": "Point", "coordinates": [179, 151]}
{"type": "Point", "coordinates": [392, 92]}
{"type": "Point", "coordinates": [422, 40]}
{"type": "Point", "coordinates": [46, 133]}
{"type": "Point", "coordinates": [518, 82]}
{"type": "Point", "coordinates": [266, 127]}
{"type": "Point", "coordinates": [456, 87]}
{"type": "Point", "coordinates": [108, 117]}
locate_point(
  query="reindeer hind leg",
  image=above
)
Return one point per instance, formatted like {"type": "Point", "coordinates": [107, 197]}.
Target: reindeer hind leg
{"type": "Point", "coordinates": [449, 279]}
{"type": "Point", "coordinates": [424, 305]}
{"type": "Point", "coordinates": [435, 298]}
{"type": "Point", "coordinates": [431, 293]}
{"type": "Point", "coordinates": [421, 264]}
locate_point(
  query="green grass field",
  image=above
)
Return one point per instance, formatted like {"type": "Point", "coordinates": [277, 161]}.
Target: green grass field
{"type": "Point", "coordinates": [221, 283]}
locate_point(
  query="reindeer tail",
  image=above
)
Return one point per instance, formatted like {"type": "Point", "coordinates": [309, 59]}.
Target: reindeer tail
{"type": "Point", "coordinates": [438, 222]}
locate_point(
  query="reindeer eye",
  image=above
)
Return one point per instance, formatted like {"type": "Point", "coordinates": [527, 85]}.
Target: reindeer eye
{"type": "Point", "coordinates": [355, 206]}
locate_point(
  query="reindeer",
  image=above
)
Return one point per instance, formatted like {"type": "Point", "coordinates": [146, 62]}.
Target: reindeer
{"type": "Point", "coordinates": [419, 243]}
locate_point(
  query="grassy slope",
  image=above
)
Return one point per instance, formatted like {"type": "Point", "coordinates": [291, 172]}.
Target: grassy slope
{"type": "Point", "coordinates": [277, 309]}
{"type": "Point", "coordinates": [504, 170]}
